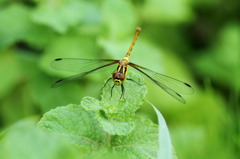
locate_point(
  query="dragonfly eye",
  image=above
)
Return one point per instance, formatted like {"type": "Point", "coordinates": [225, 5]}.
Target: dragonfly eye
{"type": "Point", "coordinates": [119, 76]}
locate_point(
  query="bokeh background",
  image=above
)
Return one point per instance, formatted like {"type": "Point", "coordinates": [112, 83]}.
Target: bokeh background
{"type": "Point", "coordinates": [194, 41]}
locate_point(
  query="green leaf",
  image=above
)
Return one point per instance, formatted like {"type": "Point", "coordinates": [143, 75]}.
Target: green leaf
{"type": "Point", "coordinates": [49, 98]}
{"type": "Point", "coordinates": [21, 28]}
{"type": "Point", "coordinates": [141, 143]}
{"type": "Point", "coordinates": [119, 17]}
{"type": "Point", "coordinates": [75, 124]}
{"type": "Point", "coordinates": [81, 128]}
{"type": "Point", "coordinates": [10, 72]}
{"type": "Point", "coordinates": [23, 140]}
{"type": "Point", "coordinates": [90, 104]}
{"type": "Point", "coordinates": [112, 127]}
{"type": "Point", "coordinates": [37, 88]}
{"type": "Point", "coordinates": [109, 122]}
{"type": "Point", "coordinates": [119, 113]}
{"type": "Point", "coordinates": [222, 60]}
{"type": "Point", "coordinates": [123, 109]}
{"type": "Point", "coordinates": [12, 28]}
{"type": "Point", "coordinates": [61, 15]}
{"type": "Point", "coordinates": [171, 11]}
{"type": "Point", "coordinates": [71, 45]}
{"type": "Point", "coordinates": [164, 139]}
{"type": "Point", "coordinates": [116, 127]}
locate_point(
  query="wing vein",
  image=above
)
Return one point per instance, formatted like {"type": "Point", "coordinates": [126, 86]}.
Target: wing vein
{"type": "Point", "coordinates": [79, 76]}
{"type": "Point", "coordinates": [162, 82]}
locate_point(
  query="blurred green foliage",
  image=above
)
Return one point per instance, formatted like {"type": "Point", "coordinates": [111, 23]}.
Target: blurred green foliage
{"type": "Point", "coordinates": [194, 41]}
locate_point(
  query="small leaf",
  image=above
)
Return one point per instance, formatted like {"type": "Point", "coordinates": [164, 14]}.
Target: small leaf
{"type": "Point", "coordinates": [120, 112]}
{"type": "Point", "coordinates": [123, 109]}
{"type": "Point", "coordinates": [112, 127]}
{"type": "Point", "coordinates": [164, 138]}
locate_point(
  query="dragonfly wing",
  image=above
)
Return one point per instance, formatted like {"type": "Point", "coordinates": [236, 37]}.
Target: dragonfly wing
{"type": "Point", "coordinates": [86, 66]}
{"type": "Point", "coordinates": [172, 93]}
{"type": "Point", "coordinates": [68, 79]}
{"type": "Point", "coordinates": [79, 65]}
{"type": "Point", "coordinates": [172, 86]}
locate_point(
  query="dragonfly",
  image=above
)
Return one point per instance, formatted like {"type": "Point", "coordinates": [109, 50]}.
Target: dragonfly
{"type": "Point", "coordinates": [85, 67]}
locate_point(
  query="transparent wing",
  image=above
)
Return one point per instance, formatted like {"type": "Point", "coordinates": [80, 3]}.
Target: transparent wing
{"type": "Point", "coordinates": [172, 86]}
{"type": "Point", "coordinates": [79, 65]}
{"type": "Point", "coordinates": [82, 66]}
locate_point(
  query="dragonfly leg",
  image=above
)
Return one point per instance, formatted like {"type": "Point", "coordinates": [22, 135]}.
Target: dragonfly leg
{"type": "Point", "coordinates": [112, 90]}
{"type": "Point", "coordinates": [123, 92]}
{"type": "Point", "coordinates": [135, 81]}
{"type": "Point", "coordinates": [105, 83]}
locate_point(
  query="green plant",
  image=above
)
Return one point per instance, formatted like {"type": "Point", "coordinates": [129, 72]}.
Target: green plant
{"type": "Point", "coordinates": [110, 125]}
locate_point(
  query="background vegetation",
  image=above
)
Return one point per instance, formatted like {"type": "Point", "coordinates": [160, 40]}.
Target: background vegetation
{"type": "Point", "coordinates": [195, 41]}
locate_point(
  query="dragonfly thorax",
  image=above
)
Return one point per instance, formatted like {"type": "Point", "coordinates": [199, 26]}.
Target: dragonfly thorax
{"type": "Point", "coordinates": [118, 78]}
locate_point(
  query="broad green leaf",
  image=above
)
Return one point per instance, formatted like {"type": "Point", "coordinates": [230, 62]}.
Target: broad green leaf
{"type": "Point", "coordinates": [75, 124]}
{"type": "Point", "coordinates": [23, 140]}
{"type": "Point", "coordinates": [85, 129]}
{"type": "Point", "coordinates": [141, 143]}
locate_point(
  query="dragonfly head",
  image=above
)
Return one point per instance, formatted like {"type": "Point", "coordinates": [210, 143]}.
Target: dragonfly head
{"type": "Point", "coordinates": [118, 78]}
